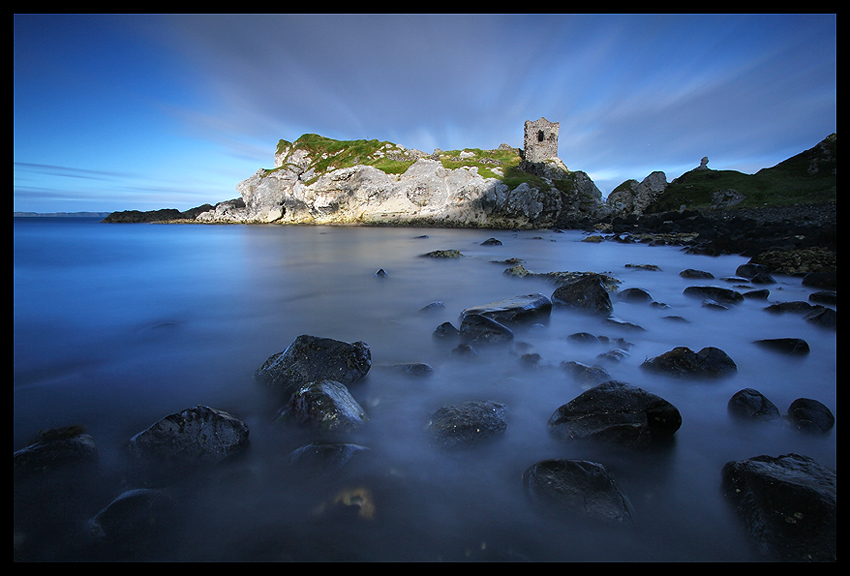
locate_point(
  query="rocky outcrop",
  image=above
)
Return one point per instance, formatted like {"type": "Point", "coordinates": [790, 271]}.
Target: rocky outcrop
{"type": "Point", "coordinates": [633, 198]}
{"type": "Point", "coordinates": [302, 189]}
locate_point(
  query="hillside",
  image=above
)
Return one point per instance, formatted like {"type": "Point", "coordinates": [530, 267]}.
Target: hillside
{"type": "Point", "coordinates": [807, 178]}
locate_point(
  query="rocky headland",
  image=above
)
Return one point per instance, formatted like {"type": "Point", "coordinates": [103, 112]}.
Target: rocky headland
{"type": "Point", "coordinates": [320, 181]}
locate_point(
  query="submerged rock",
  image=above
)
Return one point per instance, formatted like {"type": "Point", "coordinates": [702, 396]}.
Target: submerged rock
{"type": "Point", "coordinates": [788, 505]}
{"type": "Point", "coordinates": [477, 328]}
{"type": "Point", "coordinates": [587, 294]}
{"type": "Point", "coordinates": [55, 448]}
{"type": "Point", "coordinates": [577, 487]}
{"type": "Point", "coordinates": [750, 404]}
{"type": "Point", "coordinates": [716, 293]}
{"type": "Point", "coordinates": [310, 358]}
{"type": "Point", "coordinates": [200, 434]}
{"type": "Point", "coordinates": [618, 413]}
{"type": "Point", "coordinates": [682, 362]}
{"type": "Point", "coordinates": [134, 514]}
{"type": "Point", "coordinates": [525, 308]}
{"type": "Point", "coordinates": [811, 416]}
{"type": "Point", "coordinates": [467, 423]}
{"type": "Point", "coordinates": [794, 346]}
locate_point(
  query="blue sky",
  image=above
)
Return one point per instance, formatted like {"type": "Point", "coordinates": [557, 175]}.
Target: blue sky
{"type": "Point", "coordinates": [119, 112]}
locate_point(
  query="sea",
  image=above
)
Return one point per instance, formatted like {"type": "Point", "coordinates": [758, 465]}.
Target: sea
{"type": "Point", "coordinates": [119, 325]}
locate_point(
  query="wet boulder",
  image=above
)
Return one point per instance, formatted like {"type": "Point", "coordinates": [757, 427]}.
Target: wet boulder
{"type": "Point", "coordinates": [326, 405]}
{"type": "Point", "coordinates": [716, 293]}
{"type": "Point", "coordinates": [311, 358]}
{"type": "Point", "coordinates": [682, 362]}
{"type": "Point", "coordinates": [587, 294]}
{"type": "Point", "coordinates": [517, 309]}
{"type": "Point", "coordinates": [617, 413]}
{"type": "Point", "coordinates": [477, 328]}
{"type": "Point", "coordinates": [788, 505]}
{"type": "Point", "coordinates": [808, 415]}
{"type": "Point", "coordinates": [697, 274]}
{"type": "Point", "coordinates": [577, 488]}
{"type": "Point", "coordinates": [134, 515]}
{"type": "Point", "coordinates": [792, 346]}
{"type": "Point", "coordinates": [467, 423]}
{"type": "Point", "coordinates": [750, 404]}
{"type": "Point", "coordinates": [195, 435]}
{"type": "Point", "coordinates": [55, 448]}
{"type": "Point", "coordinates": [634, 296]}
{"type": "Point", "coordinates": [585, 373]}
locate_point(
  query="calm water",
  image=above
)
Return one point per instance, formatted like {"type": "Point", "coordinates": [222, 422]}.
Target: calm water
{"type": "Point", "coordinates": [116, 326]}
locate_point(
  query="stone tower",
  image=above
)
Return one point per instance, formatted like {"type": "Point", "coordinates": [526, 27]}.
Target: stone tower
{"type": "Point", "coordinates": [541, 140]}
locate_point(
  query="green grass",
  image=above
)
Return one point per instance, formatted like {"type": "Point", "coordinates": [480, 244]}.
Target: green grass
{"type": "Point", "coordinates": [789, 182]}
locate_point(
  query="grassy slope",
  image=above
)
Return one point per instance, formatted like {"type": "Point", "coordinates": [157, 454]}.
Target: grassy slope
{"type": "Point", "coordinates": [789, 182]}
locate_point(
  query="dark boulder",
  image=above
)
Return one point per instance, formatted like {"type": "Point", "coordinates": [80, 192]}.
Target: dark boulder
{"type": "Point", "coordinates": [446, 330]}
{"type": "Point", "coordinates": [311, 358]}
{"type": "Point", "coordinates": [587, 294]}
{"type": "Point", "coordinates": [698, 274]}
{"type": "Point", "coordinates": [195, 435]}
{"type": "Point", "coordinates": [811, 416]}
{"type": "Point", "coordinates": [584, 373]}
{"type": "Point", "coordinates": [822, 316]}
{"type": "Point", "coordinates": [751, 269]}
{"type": "Point", "coordinates": [326, 405]}
{"type": "Point", "coordinates": [477, 328]}
{"type": "Point", "coordinates": [788, 505]}
{"type": "Point", "coordinates": [824, 280]}
{"type": "Point", "coordinates": [750, 404]}
{"type": "Point", "coordinates": [518, 309]}
{"type": "Point", "coordinates": [682, 362]}
{"type": "Point", "coordinates": [132, 517]}
{"type": "Point", "coordinates": [56, 448]}
{"type": "Point", "coordinates": [793, 346]}
{"type": "Point", "coordinates": [467, 423]}
{"type": "Point", "coordinates": [635, 296]}
{"type": "Point", "coordinates": [716, 293]}
{"type": "Point", "coordinates": [618, 413]}
{"type": "Point", "coordinates": [576, 488]}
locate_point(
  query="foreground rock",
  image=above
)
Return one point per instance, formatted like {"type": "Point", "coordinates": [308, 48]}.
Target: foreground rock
{"type": "Point", "coordinates": [682, 362]}
{"type": "Point", "coordinates": [195, 435]}
{"type": "Point", "coordinates": [311, 358]}
{"type": "Point", "coordinates": [518, 309]}
{"type": "Point", "coordinates": [617, 413]}
{"type": "Point", "coordinates": [135, 514]}
{"type": "Point", "coordinates": [467, 423]}
{"type": "Point", "coordinates": [326, 405]}
{"type": "Point", "coordinates": [577, 487]}
{"type": "Point", "coordinates": [787, 503]}
{"type": "Point", "coordinates": [55, 448]}
{"type": "Point", "coordinates": [587, 294]}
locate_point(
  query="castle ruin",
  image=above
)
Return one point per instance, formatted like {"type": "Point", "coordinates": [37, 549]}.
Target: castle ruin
{"type": "Point", "coordinates": [541, 140]}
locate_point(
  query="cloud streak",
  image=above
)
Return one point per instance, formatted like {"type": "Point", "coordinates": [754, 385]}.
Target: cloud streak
{"type": "Point", "coordinates": [207, 97]}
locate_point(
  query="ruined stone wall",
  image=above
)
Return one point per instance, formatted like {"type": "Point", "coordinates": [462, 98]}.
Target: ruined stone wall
{"type": "Point", "coordinates": [541, 140]}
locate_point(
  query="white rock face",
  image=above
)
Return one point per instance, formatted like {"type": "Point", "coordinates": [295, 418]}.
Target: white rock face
{"type": "Point", "coordinates": [427, 193]}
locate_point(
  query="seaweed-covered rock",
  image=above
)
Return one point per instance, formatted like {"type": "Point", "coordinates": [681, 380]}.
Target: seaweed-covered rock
{"type": "Point", "coordinates": [788, 505]}
{"type": "Point", "coordinates": [577, 487]}
{"type": "Point", "coordinates": [199, 434]}
{"type": "Point", "coordinates": [467, 423]}
{"type": "Point", "coordinates": [682, 362]}
{"type": "Point", "coordinates": [618, 413]}
{"type": "Point", "coordinates": [311, 358]}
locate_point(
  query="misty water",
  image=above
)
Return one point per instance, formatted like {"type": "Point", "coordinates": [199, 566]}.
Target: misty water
{"type": "Point", "coordinates": [117, 326]}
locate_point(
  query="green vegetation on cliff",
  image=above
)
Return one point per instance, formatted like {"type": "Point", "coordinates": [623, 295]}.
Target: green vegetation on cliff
{"type": "Point", "coordinates": [808, 177]}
